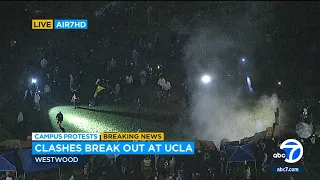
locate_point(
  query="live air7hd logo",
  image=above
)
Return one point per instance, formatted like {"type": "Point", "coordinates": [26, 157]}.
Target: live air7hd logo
{"type": "Point", "coordinates": [293, 151]}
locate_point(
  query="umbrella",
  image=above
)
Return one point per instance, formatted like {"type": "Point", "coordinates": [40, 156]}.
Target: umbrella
{"type": "Point", "coordinates": [303, 130]}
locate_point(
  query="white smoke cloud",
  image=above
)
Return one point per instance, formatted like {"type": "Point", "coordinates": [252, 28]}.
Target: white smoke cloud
{"type": "Point", "coordinates": [221, 111]}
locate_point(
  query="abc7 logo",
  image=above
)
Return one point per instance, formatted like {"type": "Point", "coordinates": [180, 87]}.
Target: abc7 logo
{"type": "Point", "coordinates": [291, 151]}
{"type": "Point", "coordinates": [279, 155]}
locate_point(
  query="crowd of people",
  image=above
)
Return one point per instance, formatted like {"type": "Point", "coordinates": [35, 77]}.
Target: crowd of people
{"type": "Point", "coordinates": [118, 74]}
{"type": "Point", "coordinates": [206, 164]}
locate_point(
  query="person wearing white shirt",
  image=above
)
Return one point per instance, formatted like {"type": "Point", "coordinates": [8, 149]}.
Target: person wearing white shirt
{"type": "Point", "coordinates": [248, 173]}
{"type": "Point", "coordinates": [20, 117]}
{"type": "Point", "coordinates": [129, 79]}
{"type": "Point", "coordinates": [8, 176]}
{"type": "Point", "coordinates": [161, 82]}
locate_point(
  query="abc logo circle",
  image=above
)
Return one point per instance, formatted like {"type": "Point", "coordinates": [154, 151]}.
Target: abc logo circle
{"type": "Point", "coordinates": [279, 155]}
{"type": "Point", "coordinates": [293, 150]}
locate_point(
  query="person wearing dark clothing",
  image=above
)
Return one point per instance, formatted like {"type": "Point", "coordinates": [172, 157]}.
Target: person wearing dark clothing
{"type": "Point", "coordinates": [276, 115]}
{"type": "Point", "coordinates": [59, 118]}
{"type": "Point", "coordinates": [186, 95]}
{"type": "Point", "coordinates": [80, 79]}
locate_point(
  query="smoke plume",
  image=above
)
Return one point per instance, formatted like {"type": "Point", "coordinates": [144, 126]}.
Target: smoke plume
{"type": "Point", "coordinates": [222, 109]}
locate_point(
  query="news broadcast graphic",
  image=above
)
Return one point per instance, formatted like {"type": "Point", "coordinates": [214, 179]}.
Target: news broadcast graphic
{"type": "Point", "coordinates": [291, 151]}
{"type": "Point", "coordinates": [59, 24]}
{"type": "Point", "coordinates": [129, 136]}
{"type": "Point", "coordinates": [121, 148]}
{"type": "Point", "coordinates": [65, 136]}
{"type": "Point", "coordinates": [70, 24]}
{"type": "Point", "coordinates": [61, 159]}
{"type": "Point", "coordinates": [42, 24]}
{"type": "Point", "coordinates": [287, 169]}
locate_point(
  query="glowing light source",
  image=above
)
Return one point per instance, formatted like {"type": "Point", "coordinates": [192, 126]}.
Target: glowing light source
{"type": "Point", "coordinates": [243, 60]}
{"type": "Point", "coordinates": [206, 79]}
{"type": "Point", "coordinates": [279, 83]}
{"type": "Point", "coordinates": [33, 80]}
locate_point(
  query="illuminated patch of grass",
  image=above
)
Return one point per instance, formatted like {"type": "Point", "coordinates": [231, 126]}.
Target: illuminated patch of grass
{"type": "Point", "coordinates": [82, 120]}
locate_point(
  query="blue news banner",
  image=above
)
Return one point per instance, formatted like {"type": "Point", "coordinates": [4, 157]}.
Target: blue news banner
{"type": "Point", "coordinates": [71, 152]}
{"type": "Point", "coordinates": [70, 24]}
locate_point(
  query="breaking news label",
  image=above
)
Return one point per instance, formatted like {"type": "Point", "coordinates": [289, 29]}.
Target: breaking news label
{"type": "Point", "coordinates": [63, 148]}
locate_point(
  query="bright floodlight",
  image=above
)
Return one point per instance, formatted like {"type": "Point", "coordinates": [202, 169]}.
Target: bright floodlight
{"type": "Point", "coordinates": [243, 59]}
{"type": "Point", "coordinates": [206, 79]}
{"type": "Point", "coordinates": [33, 81]}
{"type": "Point", "coordinates": [279, 82]}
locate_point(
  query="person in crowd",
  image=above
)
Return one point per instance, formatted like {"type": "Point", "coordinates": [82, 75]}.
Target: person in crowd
{"type": "Point", "coordinates": [98, 82]}
{"type": "Point", "coordinates": [149, 71]}
{"type": "Point", "coordinates": [167, 88]}
{"type": "Point", "coordinates": [59, 118]}
{"type": "Point", "coordinates": [75, 99]}
{"type": "Point", "coordinates": [43, 63]}
{"type": "Point", "coordinates": [20, 117]}
{"type": "Point", "coordinates": [150, 15]}
{"type": "Point", "coordinates": [37, 101]}
{"type": "Point", "coordinates": [71, 81]}
{"type": "Point", "coordinates": [139, 105]}
{"type": "Point", "coordinates": [124, 165]}
{"type": "Point", "coordinates": [47, 92]}
{"type": "Point", "coordinates": [276, 115]}
{"type": "Point", "coordinates": [179, 177]}
{"type": "Point", "coordinates": [80, 79]}
{"type": "Point", "coordinates": [161, 167]}
{"type": "Point", "coordinates": [113, 64]}
{"type": "Point", "coordinates": [28, 97]}
{"type": "Point", "coordinates": [129, 84]}
{"type": "Point", "coordinates": [117, 92]}
{"type": "Point", "coordinates": [8, 177]}
{"type": "Point", "coordinates": [161, 84]}
{"type": "Point", "coordinates": [172, 165]}
{"type": "Point", "coordinates": [13, 44]}
{"type": "Point", "coordinates": [48, 79]}
{"type": "Point", "coordinates": [186, 95]}
{"type": "Point", "coordinates": [150, 50]}
{"type": "Point", "coordinates": [135, 55]}
{"type": "Point", "coordinates": [161, 81]}
{"type": "Point", "coordinates": [143, 77]}
{"type": "Point", "coordinates": [247, 171]}
{"type": "Point", "coordinates": [146, 167]}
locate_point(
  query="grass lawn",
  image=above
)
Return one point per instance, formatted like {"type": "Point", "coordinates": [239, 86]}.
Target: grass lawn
{"type": "Point", "coordinates": [112, 119]}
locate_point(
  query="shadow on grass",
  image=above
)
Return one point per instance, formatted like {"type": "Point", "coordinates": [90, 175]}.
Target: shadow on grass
{"type": "Point", "coordinates": [142, 116]}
